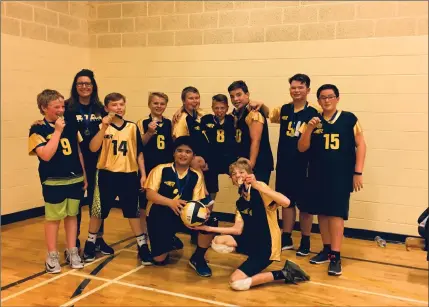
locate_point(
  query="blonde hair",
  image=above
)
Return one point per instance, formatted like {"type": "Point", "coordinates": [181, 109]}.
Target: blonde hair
{"type": "Point", "coordinates": [45, 97]}
{"type": "Point", "coordinates": [243, 164]}
{"type": "Point", "coordinates": [157, 94]}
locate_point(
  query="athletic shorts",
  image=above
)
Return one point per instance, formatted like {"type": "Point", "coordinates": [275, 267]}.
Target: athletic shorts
{"type": "Point", "coordinates": [292, 187]}
{"type": "Point", "coordinates": [162, 225]}
{"type": "Point", "coordinates": [62, 200]}
{"type": "Point", "coordinates": [142, 200]}
{"type": "Point", "coordinates": [334, 204]}
{"type": "Point", "coordinates": [109, 186]}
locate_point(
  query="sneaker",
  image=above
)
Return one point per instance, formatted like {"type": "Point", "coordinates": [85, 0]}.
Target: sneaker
{"type": "Point", "coordinates": [293, 273]}
{"type": "Point", "coordinates": [287, 243]}
{"type": "Point", "coordinates": [89, 251]}
{"type": "Point", "coordinates": [144, 255]}
{"type": "Point", "coordinates": [201, 267]}
{"type": "Point", "coordinates": [52, 263]}
{"type": "Point", "coordinates": [320, 258]}
{"type": "Point", "coordinates": [73, 258]}
{"type": "Point", "coordinates": [302, 251]}
{"type": "Point", "coordinates": [334, 268]}
{"type": "Point", "coordinates": [101, 246]}
{"type": "Point", "coordinates": [176, 243]}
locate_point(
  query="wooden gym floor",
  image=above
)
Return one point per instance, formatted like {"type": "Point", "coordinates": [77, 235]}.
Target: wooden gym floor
{"type": "Point", "coordinates": [372, 276]}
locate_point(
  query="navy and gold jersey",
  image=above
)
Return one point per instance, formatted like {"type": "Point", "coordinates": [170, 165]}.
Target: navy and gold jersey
{"type": "Point", "coordinates": [159, 149]}
{"type": "Point", "coordinates": [332, 153]}
{"type": "Point", "coordinates": [259, 214]}
{"type": "Point", "coordinates": [221, 137]}
{"type": "Point", "coordinates": [65, 164]}
{"type": "Point", "coordinates": [164, 180]}
{"type": "Point", "coordinates": [189, 125]}
{"type": "Point", "coordinates": [244, 119]}
{"type": "Point", "coordinates": [288, 155]}
{"type": "Point", "coordinates": [120, 148]}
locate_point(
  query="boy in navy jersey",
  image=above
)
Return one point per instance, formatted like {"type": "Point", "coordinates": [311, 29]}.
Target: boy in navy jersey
{"type": "Point", "coordinates": [336, 146]}
{"type": "Point", "coordinates": [62, 175]}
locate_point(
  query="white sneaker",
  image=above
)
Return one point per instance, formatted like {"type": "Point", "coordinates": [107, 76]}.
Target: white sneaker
{"type": "Point", "coordinates": [52, 263]}
{"type": "Point", "coordinates": [73, 258]}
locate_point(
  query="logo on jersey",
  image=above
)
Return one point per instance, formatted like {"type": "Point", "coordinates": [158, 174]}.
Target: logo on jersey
{"type": "Point", "coordinates": [318, 131]}
{"type": "Point", "coordinates": [170, 183]}
{"type": "Point", "coordinates": [285, 117]}
{"type": "Point", "coordinates": [108, 136]}
{"type": "Point", "coordinates": [197, 128]}
{"type": "Point", "coordinates": [210, 125]}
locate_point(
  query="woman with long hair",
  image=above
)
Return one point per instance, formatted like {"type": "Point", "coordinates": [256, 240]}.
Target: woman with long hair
{"type": "Point", "coordinates": [84, 104]}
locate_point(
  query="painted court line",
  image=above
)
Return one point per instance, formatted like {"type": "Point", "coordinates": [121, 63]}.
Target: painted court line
{"type": "Point", "coordinates": [406, 299]}
{"type": "Point", "coordinates": [45, 282]}
{"type": "Point", "coordinates": [114, 281]}
{"type": "Point", "coordinates": [78, 298]}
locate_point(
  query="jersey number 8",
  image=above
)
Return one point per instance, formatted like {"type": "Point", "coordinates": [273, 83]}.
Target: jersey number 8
{"type": "Point", "coordinates": [220, 137]}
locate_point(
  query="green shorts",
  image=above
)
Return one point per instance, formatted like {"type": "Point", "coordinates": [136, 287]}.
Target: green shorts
{"type": "Point", "coordinates": [62, 197]}
{"type": "Point", "coordinates": [59, 211]}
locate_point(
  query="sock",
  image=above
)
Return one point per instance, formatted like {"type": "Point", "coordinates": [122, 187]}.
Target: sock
{"type": "Point", "coordinates": [334, 255]}
{"type": "Point", "coordinates": [92, 237]}
{"type": "Point", "coordinates": [327, 248]}
{"type": "Point", "coordinates": [141, 239]}
{"type": "Point", "coordinates": [286, 235]}
{"type": "Point", "coordinates": [199, 253]}
{"type": "Point", "coordinates": [305, 241]}
{"type": "Point", "coordinates": [278, 275]}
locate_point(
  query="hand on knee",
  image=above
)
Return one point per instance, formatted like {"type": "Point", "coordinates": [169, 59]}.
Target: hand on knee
{"type": "Point", "coordinates": [222, 248]}
{"type": "Point", "coordinates": [241, 284]}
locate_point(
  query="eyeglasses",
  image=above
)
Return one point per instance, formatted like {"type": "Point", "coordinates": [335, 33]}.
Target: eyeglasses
{"type": "Point", "coordinates": [328, 98]}
{"type": "Point", "coordinates": [84, 84]}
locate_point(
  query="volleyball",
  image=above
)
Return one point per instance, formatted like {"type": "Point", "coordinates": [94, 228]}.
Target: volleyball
{"type": "Point", "coordinates": [194, 213]}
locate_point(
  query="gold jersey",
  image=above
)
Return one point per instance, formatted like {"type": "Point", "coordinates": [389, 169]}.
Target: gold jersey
{"type": "Point", "coordinates": [120, 148]}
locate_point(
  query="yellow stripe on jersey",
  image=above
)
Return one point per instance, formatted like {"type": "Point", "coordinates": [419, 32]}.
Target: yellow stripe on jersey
{"type": "Point", "coordinates": [302, 128]}
{"type": "Point", "coordinates": [254, 116]}
{"type": "Point", "coordinates": [79, 137]}
{"type": "Point", "coordinates": [357, 129]}
{"type": "Point", "coordinates": [119, 149]}
{"type": "Point", "coordinates": [154, 179]}
{"type": "Point", "coordinates": [63, 181]}
{"type": "Point", "coordinates": [140, 125]}
{"type": "Point", "coordinates": [238, 216]}
{"type": "Point", "coordinates": [274, 115]}
{"type": "Point", "coordinates": [199, 190]}
{"type": "Point", "coordinates": [181, 127]}
{"type": "Point", "coordinates": [34, 141]}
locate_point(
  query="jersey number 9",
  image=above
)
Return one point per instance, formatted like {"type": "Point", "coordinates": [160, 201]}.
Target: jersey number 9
{"type": "Point", "coordinates": [65, 144]}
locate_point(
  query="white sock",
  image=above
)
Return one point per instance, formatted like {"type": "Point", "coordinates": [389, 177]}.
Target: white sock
{"type": "Point", "coordinates": [92, 237]}
{"type": "Point", "coordinates": [141, 239]}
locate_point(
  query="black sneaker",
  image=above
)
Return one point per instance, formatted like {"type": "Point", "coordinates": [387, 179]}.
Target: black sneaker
{"type": "Point", "coordinates": [145, 255]}
{"type": "Point", "coordinates": [200, 266]}
{"type": "Point", "coordinates": [302, 251]}
{"type": "Point", "coordinates": [334, 268]}
{"type": "Point", "coordinates": [293, 273]}
{"type": "Point", "coordinates": [101, 246]}
{"type": "Point", "coordinates": [321, 257]}
{"type": "Point", "coordinates": [176, 243]}
{"type": "Point", "coordinates": [89, 252]}
{"type": "Point", "coordinates": [287, 243]}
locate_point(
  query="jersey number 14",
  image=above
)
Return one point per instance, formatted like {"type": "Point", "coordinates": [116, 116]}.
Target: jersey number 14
{"type": "Point", "coordinates": [123, 147]}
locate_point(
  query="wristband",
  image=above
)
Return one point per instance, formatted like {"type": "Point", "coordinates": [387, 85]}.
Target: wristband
{"type": "Point", "coordinates": [357, 173]}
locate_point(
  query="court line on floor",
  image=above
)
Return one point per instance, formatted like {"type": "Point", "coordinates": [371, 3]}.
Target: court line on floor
{"type": "Point", "coordinates": [45, 282]}
{"type": "Point", "coordinates": [322, 284]}
{"type": "Point", "coordinates": [80, 297]}
{"type": "Point", "coordinates": [28, 278]}
{"type": "Point", "coordinates": [116, 281]}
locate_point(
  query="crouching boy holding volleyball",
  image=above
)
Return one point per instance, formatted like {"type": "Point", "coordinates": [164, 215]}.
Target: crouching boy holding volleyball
{"type": "Point", "coordinates": [167, 188]}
